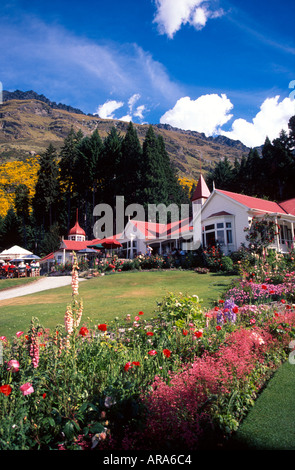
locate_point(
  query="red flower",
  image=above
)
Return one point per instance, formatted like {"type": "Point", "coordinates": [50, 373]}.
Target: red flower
{"type": "Point", "coordinates": [221, 301]}
{"type": "Point", "coordinates": [184, 332]}
{"type": "Point", "coordinates": [198, 334]}
{"type": "Point", "coordinates": [235, 309]}
{"type": "Point", "coordinates": [152, 352]}
{"type": "Point", "coordinates": [166, 352]}
{"type": "Point", "coordinates": [150, 333]}
{"type": "Point", "coordinates": [264, 286]}
{"type": "Point", "coordinates": [127, 366]}
{"type": "Point", "coordinates": [83, 331]}
{"type": "Point", "coordinates": [140, 313]}
{"type": "Point", "coordinates": [6, 389]}
{"type": "Point", "coordinates": [102, 327]}
{"type": "Point", "coordinates": [218, 328]}
{"type": "Point", "coordinates": [252, 321]}
{"type": "Point", "coordinates": [136, 363]}
{"type": "Point", "coordinates": [283, 301]}
{"type": "Point", "coordinates": [44, 395]}
{"type": "Point", "coordinates": [216, 309]}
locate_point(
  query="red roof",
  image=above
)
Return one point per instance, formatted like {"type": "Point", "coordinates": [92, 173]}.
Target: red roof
{"type": "Point", "coordinates": [47, 257]}
{"type": "Point", "coordinates": [254, 202]}
{"type": "Point", "coordinates": [74, 245]}
{"type": "Point", "coordinates": [202, 190]}
{"type": "Point", "coordinates": [152, 230]}
{"type": "Point", "coordinates": [77, 230]}
{"type": "Point", "coordinates": [289, 206]}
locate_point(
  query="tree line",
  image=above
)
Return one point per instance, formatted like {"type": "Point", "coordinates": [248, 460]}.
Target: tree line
{"type": "Point", "coordinates": [86, 171]}
{"type": "Point", "coordinates": [269, 175]}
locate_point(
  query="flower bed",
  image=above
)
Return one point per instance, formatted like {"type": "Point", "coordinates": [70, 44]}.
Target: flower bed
{"type": "Point", "coordinates": [183, 380]}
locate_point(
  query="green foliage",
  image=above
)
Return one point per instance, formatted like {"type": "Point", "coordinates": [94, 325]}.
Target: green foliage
{"type": "Point", "coordinates": [269, 175]}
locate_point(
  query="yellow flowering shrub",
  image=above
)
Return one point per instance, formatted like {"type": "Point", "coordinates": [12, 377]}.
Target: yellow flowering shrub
{"type": "Point", "coordinates": [11, 175]}
{"type": "Point", "coordinates": [187, 183]}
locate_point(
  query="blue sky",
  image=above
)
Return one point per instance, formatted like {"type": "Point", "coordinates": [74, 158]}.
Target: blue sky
{"type": "Point", "coordinates": [216, 66]}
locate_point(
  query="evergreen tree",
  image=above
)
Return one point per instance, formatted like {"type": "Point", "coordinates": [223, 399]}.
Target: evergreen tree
{"type": "Point", "coordinates": [11, 230]}
{"type": "Point", "coordinates": [111, 157]}
{"type": "Point", "coordinates": [221, 175]}
{"type": "Point", "coordinates": [22, 209]}
{"type": "Point", "coordinates": [45, 201]}
{"type": "Point", "coordinates": [128, 173]}
{"type": "Point", "coordinates": [87, 173]}
{"type": "Point", "coordinates": [68, 155]}
{"type": "Point", "coordinates": [153, 179]}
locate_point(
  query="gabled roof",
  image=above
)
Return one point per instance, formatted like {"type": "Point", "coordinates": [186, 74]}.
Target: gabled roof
{"type": "Point", "coordinates": [202, 190]}
{"type": "Point", "coordinates": [289, 206]}
{"type": "Point", "coordinates": [254, 202]}
{"type": "Point", "coordinates": [152, 230]}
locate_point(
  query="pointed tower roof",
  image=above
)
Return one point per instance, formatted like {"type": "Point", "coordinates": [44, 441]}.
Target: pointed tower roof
{"type": "Point", "coordinates": [202, 190]}
{"type": "Point", "coordinates": [77, 230]}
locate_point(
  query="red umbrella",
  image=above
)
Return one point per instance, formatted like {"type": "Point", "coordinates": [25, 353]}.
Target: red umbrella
{"type": "Point", "coordinates": [110, 243]}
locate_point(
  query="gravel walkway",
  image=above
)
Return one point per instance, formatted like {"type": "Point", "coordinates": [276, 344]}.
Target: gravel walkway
{"type": "Point", "coordinates": [37, 286]}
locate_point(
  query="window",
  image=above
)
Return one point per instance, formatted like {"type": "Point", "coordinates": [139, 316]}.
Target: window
{"type": "Point", "coordinates": [221, 232]}
{"type": "Point", "coordinates": [220, 237]}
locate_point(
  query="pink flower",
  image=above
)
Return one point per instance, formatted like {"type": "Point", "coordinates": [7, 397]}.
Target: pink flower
{"type": "Point", "coordinates": [3, 338]}
{"type": "Point", "coordinates": [136, 318]}
{"type": "Point", "coordinates": [19, 333]}
{"type": "Point", "coordinates": [13, 365]}
{"type": "Point", "coordinates": [26, 388]}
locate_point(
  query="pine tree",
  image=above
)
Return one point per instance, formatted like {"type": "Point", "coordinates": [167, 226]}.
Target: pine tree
{"type": "Point", "coordinates": [11, 230]}
{"type": "Point", "coordinates": [221, 175]}
{"type": "Point", "coordinates": [153, 178]}
{"type": "Point", "coordinates": [128, 174]}
{"type": "Point", "coordinates": [68, 155]}
{"type": "Point", "coordinates": [45, 201]}
{"type": "Point", "coordinates": [111, 156]}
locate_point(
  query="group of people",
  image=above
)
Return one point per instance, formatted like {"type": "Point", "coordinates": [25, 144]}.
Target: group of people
{"type": "Point", "coordinates": [20, 270]}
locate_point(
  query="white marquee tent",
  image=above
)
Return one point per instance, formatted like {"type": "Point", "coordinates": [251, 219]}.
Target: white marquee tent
{"type": "Point", "coordinates": [14, 252]}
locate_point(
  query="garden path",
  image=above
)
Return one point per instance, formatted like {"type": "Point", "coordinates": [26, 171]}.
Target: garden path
{"type": "Point", "coordinates": [37, 286]}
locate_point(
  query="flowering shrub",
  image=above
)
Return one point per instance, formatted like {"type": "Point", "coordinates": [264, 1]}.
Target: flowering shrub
{"type": "Point", "coordinates": [181, 379]}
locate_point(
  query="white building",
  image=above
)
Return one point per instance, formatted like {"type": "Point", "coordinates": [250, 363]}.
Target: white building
{"type": "Point", "coordinates": [224, 217]}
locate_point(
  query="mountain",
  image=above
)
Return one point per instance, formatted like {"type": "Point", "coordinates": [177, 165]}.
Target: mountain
{"type": "Point", "coordinates": [30, 122]}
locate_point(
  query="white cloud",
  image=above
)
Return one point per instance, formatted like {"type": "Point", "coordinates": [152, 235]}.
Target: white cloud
{"type": "Point", "coordinates": [171, 14]}
{"type": "Point", "coordinates": [205, 114]}
{"type": "Point", "coordinates": [268, 122]}
{"type": "Point", "coordinates": [126, 118]}
{"type": "Point", "coordinates": [132, 100]}
{"type": "Point", "coordinates": [139, 111]}
{"type": "Point", "coordinates": [106, 110]}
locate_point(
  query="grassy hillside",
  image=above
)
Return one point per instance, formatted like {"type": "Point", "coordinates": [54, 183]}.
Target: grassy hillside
{"type": "Point", "coordinates": [29, 125]}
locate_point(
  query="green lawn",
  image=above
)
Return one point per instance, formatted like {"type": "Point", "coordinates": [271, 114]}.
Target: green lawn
{"type": "Point", "coordinates": [17, 282]}
{"type": "Point", "coordinates": [270, 423]}
{"type": "Point", "coordinates": [109, 296]}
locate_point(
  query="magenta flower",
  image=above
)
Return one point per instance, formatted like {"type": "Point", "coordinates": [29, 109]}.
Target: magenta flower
{"type": "Point", "coordinates": [13, 365]}
{"type": "Point", "coordinates": [26, 388]}
{"type": "Point", "coordinates": [19, 333]}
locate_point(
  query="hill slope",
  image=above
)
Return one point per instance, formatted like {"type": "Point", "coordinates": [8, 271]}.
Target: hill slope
{"type": "Point", "coordinates": [28, 124]}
